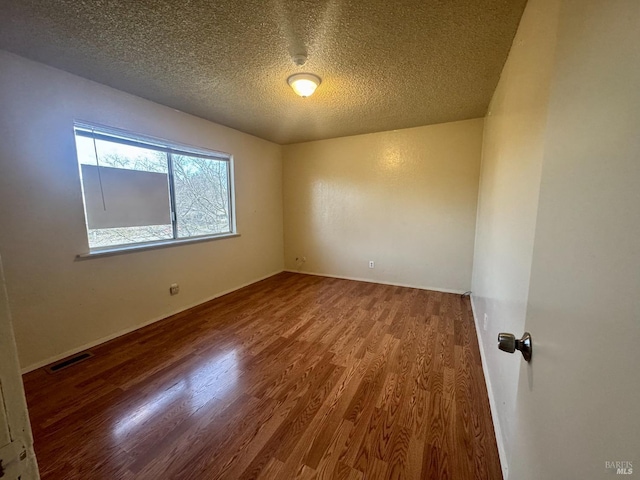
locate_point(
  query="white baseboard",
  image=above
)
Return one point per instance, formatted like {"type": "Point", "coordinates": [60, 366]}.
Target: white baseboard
{"type": "Point", "coordinates": [86, 346]}
{"type": "Point", "coordinates": [368, 280]}
{"type": "Point", "coordinates": [502, 453]}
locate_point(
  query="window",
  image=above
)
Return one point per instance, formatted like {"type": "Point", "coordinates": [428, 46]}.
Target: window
{"type": "Point", "coordinates": [139, 190]}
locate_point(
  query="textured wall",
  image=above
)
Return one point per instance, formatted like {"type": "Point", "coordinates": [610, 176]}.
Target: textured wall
{"type": "Point", "coordinates": [60, 304]}
{"type": "Point", "coordinates": [405, 199]}
{"type": "Point", "coordinates": [512, 156]}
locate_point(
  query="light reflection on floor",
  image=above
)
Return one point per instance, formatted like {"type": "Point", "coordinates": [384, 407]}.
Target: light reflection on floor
{"type": "Point", "coordinates": [214, 377]}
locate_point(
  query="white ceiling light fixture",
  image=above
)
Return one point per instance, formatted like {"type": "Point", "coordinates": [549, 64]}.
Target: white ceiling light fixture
{"type": "Point", "coordinates": [304, 84]}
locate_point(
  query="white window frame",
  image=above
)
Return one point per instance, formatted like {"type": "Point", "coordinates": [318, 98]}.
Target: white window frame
{"type": "Point", "coordinates": [110, 134]}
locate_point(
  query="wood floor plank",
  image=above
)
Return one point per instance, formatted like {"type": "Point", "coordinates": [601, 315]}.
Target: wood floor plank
{"type": "Point", "coordinates": [295, 376]}
{"type": "Point", "coordinates": [328, 417]}
{"type": "Point", "coordinates": [272, 470]}
{"type": "Point", "coordinates": [331, 455]}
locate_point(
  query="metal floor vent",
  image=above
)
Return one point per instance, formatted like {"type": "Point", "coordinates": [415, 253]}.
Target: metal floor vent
{"type": "Point", "coordinates": [69, 361]}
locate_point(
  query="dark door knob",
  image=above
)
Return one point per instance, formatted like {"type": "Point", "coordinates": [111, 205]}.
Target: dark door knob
{"type": "Point", "coordinates": [508, 342]}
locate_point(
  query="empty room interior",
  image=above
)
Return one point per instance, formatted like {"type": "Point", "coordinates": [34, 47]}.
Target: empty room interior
{"type": "Point", "coordinates": [330, 239]}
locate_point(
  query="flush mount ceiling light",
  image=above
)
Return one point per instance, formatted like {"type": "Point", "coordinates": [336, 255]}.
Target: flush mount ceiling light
{"type": "Point", "coordinates": [304, 84]}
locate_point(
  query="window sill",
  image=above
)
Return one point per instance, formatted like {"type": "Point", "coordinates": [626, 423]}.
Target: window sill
{"type": "Point", "coordinates": [107, 252]}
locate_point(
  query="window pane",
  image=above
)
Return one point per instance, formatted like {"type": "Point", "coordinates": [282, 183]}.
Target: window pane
{"type": "Point", "coordinates": [117, 155]}
{"type": "Point", "coordinates": [201, 188]}
{"type": "Point", "coordinates": [108, 237]}
{"type": "Point", "coordinates": [126, 193]}
{"type": "Point", "coordinates": [130, 193]}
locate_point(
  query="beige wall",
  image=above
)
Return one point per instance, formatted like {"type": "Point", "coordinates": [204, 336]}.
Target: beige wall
{"type": "Point", "coordinates": [60, 304]}
{"type": "Point", "coordinates": [405, 199]}
{"type": "Point", "coordinates": [512, 156]}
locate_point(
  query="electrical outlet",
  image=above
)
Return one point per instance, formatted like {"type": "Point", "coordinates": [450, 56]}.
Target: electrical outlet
{"type": "Point", "coordinates": [486, 322]}
{"type": "Point", "coordinates": [372, 264]}
{"type": "Point", "coordinates": [174, 289]}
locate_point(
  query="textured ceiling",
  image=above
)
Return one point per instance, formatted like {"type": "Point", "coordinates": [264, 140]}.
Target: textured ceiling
{"type": "Point", "coordinates": [384, 64]}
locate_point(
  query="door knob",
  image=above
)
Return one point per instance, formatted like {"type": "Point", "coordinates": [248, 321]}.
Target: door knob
{"type": "Point", "coordinates": [508, 342]}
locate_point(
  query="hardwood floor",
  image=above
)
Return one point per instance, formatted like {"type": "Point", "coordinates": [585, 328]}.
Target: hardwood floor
{"type": "Point", "coordinates": [296, 376]}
